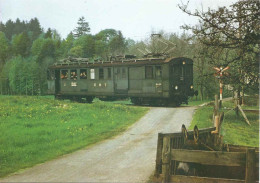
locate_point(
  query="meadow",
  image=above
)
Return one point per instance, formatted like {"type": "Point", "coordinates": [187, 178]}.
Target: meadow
{"type": "Point", "coordinates": [234, 128]}
{"type": "Point", "coordinates": [36, 129]}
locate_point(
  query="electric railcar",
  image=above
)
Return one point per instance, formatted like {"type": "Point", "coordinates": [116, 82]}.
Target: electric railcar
{"type": "Point", "coordinates": [155, 81]}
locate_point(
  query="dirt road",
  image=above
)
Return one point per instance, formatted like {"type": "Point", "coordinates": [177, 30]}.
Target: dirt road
{"type": "Point", "coordinates": [129, 157]}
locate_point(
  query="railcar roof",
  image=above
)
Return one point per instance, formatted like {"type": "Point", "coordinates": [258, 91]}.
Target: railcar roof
{"type": "Point", "coordinates": [82, 62]}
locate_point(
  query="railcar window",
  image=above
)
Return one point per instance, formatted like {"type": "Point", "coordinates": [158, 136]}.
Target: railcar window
{"type": "Point", "coordinates": [73, 74]}
{"type": "Point", "coordinates": [101, 73]}
{"type": "Point", "coordinates": [83, 73]}
{"type": "Point", "coordinates": [64, 74]}
{"type": "Point", "coordinates": [118, 75]}
{"type": "Point", "coordinates": [108, 73]}
{"type": "Point", "coordinates": [149, 72]}
{"type": "Point", "coordinates": [92, 73]}
{"type": "Point", "coordinates": [158, 71]}
{"type": "Point", "coordinates": [123, 73]}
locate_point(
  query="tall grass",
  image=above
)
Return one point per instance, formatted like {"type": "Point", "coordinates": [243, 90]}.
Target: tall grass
{"type": "Point", "coordinates": [237, 132]}
{"type": "Point", "coordinates": [37, 129]}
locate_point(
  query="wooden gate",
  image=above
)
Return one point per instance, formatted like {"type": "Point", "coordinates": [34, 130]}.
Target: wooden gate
{"type": "Point", "coordinates": [215, 161]}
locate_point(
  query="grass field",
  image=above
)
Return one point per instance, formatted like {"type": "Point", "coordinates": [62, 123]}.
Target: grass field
{"type": "Point", "coordinates": [234, 128]}
{"type": "Point", "coordinates": [36, 129]}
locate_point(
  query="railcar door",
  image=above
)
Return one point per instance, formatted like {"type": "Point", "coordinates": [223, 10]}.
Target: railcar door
{"type": "Point", "coordinates": [121, 80]}
{"type": "Point", "coordinates": [176, 81]}
{"type": "Point", "coordinates": [182, 72]}
{"type": "Point", "coordinates": [57, 81]}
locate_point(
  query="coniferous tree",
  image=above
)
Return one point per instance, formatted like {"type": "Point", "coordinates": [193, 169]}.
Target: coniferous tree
{"type": "Point", "coordinates": [82, 28]}
{"type": "Point", "coordinates": [2, 27]}
{"type": "Point", "coordinates": [35, 28]}
{"type": "Point", "coordinates": [48, 34]}
{"type": "Point", "coordinates": [9, 27]}
{"type": "Point", "coordinates": [19, 27]}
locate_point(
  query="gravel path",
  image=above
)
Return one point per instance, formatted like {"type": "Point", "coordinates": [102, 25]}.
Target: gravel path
{"type": "Point", "coordinates": [129, 157]}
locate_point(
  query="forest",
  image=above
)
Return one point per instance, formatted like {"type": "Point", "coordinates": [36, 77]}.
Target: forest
{"type": "Point", "coordinates": [227, 36]}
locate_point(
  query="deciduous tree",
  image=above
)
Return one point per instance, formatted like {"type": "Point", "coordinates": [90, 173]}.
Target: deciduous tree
{"type": "Point", "coordinates": [117, 45]}
{"type": "Point", "coordinates": [232, 38]}
{"type": "Point", "coordinates": [21, 45]}
{"type": "Point", "coordinates": [4, 50]}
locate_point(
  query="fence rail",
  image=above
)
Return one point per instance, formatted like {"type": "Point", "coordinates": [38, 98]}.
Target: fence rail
{"type": "Point", "coordinates": [192, 179]}
{"type": "Point", "coordinates": [209, 157]}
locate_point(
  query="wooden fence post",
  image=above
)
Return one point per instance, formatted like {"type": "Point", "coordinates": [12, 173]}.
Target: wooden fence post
{"type": "Point", "coordinates": [166, 158]}
{"type": "Point", "coordinates": [158, 165]}
{"type": "Point", "coordinates": [250, 166]}
{"type": "Point", "coordinates": [216, 110]}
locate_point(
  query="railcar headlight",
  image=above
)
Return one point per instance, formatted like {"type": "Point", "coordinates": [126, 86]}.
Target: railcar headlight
{"type": "Point", "coordinates": [176, 87]}
{"type": "Point", "coordinates": [191, 86]}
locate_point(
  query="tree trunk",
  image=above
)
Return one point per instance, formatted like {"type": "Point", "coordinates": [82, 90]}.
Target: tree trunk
{"type": "Point", "coordinates": [237, 101]}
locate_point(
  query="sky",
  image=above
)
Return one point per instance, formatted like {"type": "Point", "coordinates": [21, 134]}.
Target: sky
{"type": "Point", "coordinates": [135, 18]}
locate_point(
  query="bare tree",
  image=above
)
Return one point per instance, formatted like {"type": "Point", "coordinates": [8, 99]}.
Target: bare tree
{"type": "Point", "coordinates": [232, 38]}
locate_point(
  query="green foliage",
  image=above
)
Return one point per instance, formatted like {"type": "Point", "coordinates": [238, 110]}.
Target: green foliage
{"type": "Point", "coordinates": [21, 45]}
{"type": "Point", "coordinates": [117, 45]}
{"type": "Point", "coordinates": [106, 35]}
{"type": "Point", "coordinates": [66, 45]}
{"type": "Point", "coordinates": [43, 48]}
{"type": "Point", "coordinates": [101, 48]}
{"type": "Point", "coordinates": [87, 44]}
{"type": "Point", "coordinates": [36, 48]}
{"type": "Point", "coordinates": [8, 29]}
{"type": "Point", "coordinates": [48, 49]}
{"type": "Point", "coordinates": [41, 73]}
{"type": "Point", "coordinates": [48, 34]}
{"type": "Point", "coordinates": [133, 49]}
{"type": "Point", "coordinates": [22, 75]}
{"type": "Point", "coordinates": [35, 27]}
{"type": "Point", "coordinates": [77, 51]}
{"type": "Point", "coordinates": [109, 42]}
{"type": "Point", "coordinates": [36, 129]}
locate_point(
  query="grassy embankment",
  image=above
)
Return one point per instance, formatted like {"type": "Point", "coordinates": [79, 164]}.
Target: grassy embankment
{"type": "Point", "coordinates": [37, 129]}
{"type": "Point", "coordinates": [234, 129]}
